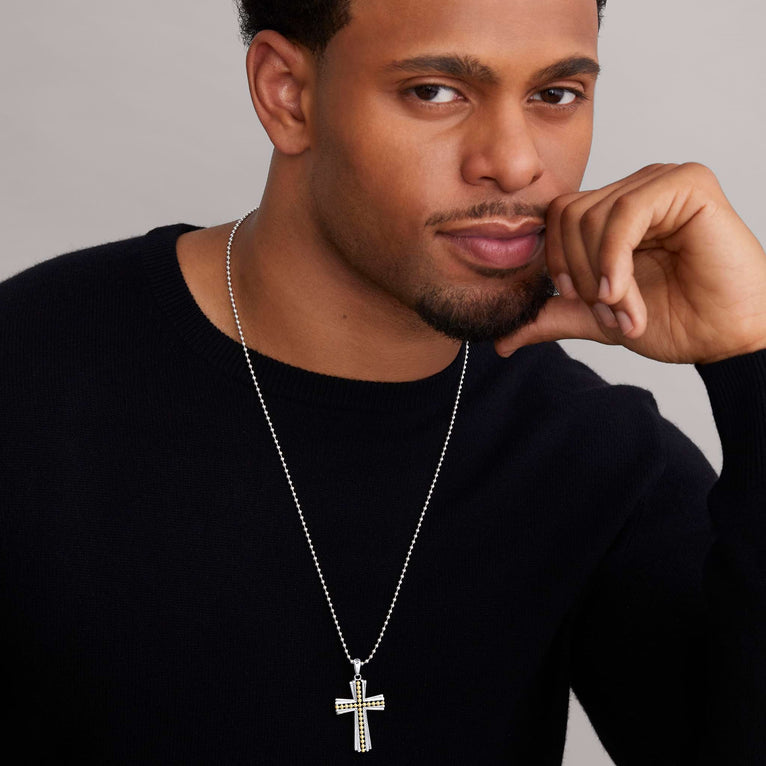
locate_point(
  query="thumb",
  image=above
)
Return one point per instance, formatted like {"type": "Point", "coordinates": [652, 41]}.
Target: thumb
{"type": "Point", "coordinates": [560, 318]}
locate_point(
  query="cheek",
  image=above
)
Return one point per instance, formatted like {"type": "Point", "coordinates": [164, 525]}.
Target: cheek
{"type": "Point", "coordinates": [384, 156]}
{"type": "Point", "coordinates": [364, 184]}
{"type": "Point", "coordinates": [380, 189]}
{"type": "Point", "coordinates": [565, 156]}
{"type": "Point", "coordinates": [397, 166]}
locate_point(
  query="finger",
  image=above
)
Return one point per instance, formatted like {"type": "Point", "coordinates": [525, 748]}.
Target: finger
{"type": "Point", "coordinates": [634, 217]}
{"type": "Point", "coordinates": [632, 180]}
{"type": "Point", "coordinates": [579, 267]}
{"type": "Point", "coordinates": [630, 316]}
{"type": "Point", "coordinates": [555, 259]}
{"type": "Point", "coordinates": [593, 224]}
{"type": "Point", "coordinates": [588, 211]}
{"type": "Point", "coordinates": [558, 319]}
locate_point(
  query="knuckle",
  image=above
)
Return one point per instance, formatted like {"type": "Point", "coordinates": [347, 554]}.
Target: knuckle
{"type": "Point", "coordinates": [591, 222]}
{"type": "Point", "coordinates": [570, 214]}
{"type": "Point", "coordinates": [557, 205]}
{"type": "Point", "coordinates": [624, 205]}
{"type": "Point", "coordinates": [653, 167]}
{"type": "Point", "coordinates": [699, 174]}
{"type": "Point", "coordinates": [553, 213]}
{"type": "Point", "coordinates": [696, 167]}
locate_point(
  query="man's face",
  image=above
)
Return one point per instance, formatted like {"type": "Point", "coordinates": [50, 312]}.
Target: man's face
{"type": "Point", "coordinates": [404, 151]}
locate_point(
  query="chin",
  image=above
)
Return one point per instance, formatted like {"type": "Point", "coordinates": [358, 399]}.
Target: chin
{"type": "Point", "coordinates": [477, 316]}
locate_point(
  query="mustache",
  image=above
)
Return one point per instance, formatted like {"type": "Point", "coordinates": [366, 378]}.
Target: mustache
{"type": "Point", "coordinates": [497, 209]}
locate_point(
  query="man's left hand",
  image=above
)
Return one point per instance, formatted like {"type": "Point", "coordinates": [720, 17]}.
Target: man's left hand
{"type": "Point", "coordinates": [680, 266]}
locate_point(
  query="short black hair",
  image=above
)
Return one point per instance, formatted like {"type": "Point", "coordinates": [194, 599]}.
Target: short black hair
{"type": "Point", "coordinates": [311, 23]}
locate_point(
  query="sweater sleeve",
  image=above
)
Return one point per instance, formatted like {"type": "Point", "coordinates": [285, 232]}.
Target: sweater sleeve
{"type": "Point", "coordinates": [669, 645]}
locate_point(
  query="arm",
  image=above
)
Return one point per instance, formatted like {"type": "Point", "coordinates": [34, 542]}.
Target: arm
{"type": "Point", "coordinates": [669, 646]}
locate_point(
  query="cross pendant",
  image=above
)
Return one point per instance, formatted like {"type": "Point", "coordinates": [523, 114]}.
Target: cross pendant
{"type": "Point", "coordinates": [359, 704]}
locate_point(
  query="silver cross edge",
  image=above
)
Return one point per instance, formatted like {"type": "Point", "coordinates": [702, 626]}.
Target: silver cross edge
{"type": "Point", "coordinates": [360, 704]}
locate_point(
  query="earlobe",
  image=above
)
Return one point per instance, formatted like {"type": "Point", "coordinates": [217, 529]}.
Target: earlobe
{"type": "Point", "coordinates": [279, 72]}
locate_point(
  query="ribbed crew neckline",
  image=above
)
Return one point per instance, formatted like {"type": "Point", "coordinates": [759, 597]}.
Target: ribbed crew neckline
{"type": "Point", "coordinates": [278, 378]}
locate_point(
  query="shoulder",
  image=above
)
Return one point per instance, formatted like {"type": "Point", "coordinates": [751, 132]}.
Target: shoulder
{"type": "Point", "coordinates": [546, 377]}
{"type": "Point", "coordinates": [87, 271]}
{"type": "Point", "coordinates": [621, 424]}
{"type": "Point", "coordinates": [72, 320]}
{"type": "Point", "coordinates": [628, 411]}
{"type": "Point", "coordinates": [542, 395]}
{"type": "Point", "coordinates": [79, 288]}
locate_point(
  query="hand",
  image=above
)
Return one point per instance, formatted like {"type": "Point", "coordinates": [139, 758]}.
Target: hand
{"type": "Point", "coordinates": [684, 275]}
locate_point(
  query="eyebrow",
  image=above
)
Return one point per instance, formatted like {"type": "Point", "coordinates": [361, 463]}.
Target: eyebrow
{"type": "Point", "coordinates": [470, 68]}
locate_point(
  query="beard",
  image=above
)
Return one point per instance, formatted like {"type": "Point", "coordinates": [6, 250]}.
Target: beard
{"type": "Point", "coordinates": [472, 315]}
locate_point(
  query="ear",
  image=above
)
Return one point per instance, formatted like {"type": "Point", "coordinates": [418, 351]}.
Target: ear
{"type": "Point", "coordinates": [281, 78]}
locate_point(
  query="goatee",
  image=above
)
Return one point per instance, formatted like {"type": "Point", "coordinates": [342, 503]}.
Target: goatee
{"type": "Point", "coordinates": [471, 315]}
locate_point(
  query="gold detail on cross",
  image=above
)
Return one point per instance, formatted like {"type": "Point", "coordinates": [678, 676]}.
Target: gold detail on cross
{"type": "Point", "coordinates": [360, 704]}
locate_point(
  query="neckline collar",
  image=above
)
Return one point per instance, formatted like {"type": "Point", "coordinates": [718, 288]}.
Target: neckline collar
{"type": "Point", "coordinates": [278, 378]}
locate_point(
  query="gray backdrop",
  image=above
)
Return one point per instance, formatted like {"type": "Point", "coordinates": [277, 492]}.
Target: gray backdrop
{"type": "Point", "coordinates": [117, 117]}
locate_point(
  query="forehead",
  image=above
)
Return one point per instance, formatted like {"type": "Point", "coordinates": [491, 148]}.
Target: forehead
{"type": "Point", "coordinates": [497, 32]}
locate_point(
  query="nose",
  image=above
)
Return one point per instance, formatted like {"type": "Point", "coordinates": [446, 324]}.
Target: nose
{"type": "Point", "coordinates": [500, 150]}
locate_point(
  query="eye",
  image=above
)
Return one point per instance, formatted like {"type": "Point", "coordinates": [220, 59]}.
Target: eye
{"type": "Point", "coordinates": [434, 94]}
{"type": "Point", "coordinates": [558, 96]}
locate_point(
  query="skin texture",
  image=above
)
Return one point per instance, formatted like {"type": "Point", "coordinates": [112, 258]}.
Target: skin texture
{"type": "Point", "coordinates": [330, 273]}
{"type": "Point", "coordinates": [658, 262]}
{"type": "Point", "coordinates": [345, 259]}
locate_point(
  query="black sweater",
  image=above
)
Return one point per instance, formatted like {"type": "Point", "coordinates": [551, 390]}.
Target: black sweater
{"type": "Point", "coordinates": [160, 605]}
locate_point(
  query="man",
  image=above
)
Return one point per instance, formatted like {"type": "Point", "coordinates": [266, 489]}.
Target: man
{"type": "Point", "coordinates": [486, 529]}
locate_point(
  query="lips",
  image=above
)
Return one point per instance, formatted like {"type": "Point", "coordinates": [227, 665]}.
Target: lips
{"type": "Point", "coordinates": [496, 230]}
{"type": "Point", "coordinates": [497, 244]}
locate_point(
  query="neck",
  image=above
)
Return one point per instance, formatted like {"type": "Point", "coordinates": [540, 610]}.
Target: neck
{"type": "Point", "coordinates": [299, 304]}
{"type": "Point", "coordinates": [305, 307]}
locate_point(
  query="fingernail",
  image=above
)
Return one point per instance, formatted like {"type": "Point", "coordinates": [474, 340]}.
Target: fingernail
{"type": "Point", "coordinates": [603, 289]}
{"type": "Point", "coordinates": [604, 314]}
{"type": "Point", "coordinates": [564, 284]}
{"type": "Point", "coordinates": [625, 324]}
